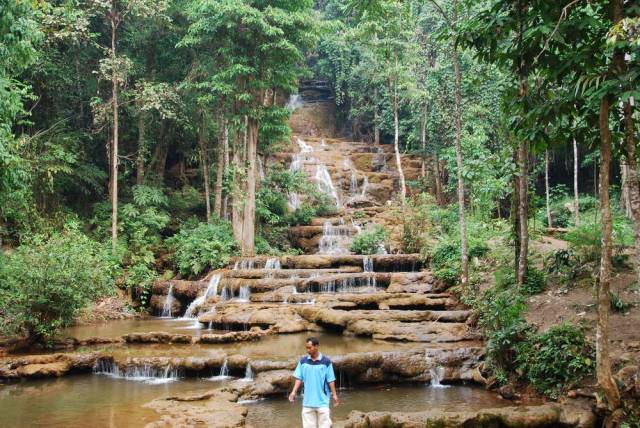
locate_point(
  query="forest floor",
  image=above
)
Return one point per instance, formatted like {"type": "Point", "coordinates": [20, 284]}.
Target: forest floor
{"type": "Point", "coordinates": [575, 302]}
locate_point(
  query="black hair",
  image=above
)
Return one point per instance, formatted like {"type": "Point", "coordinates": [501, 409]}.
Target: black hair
{"type": "Point", "coordinates": [314, 341]}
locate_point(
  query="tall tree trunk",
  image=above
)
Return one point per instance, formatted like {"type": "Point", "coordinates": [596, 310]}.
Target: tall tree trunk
{"type": "Point", "coordinates": [142, 147]}
{"type": "Point", "coordinates": [376, 125]}
{"type": "Point", "coordinates": [464, 255]}
{"type": "Point", "coordinates": [396, 144]}
{"type": "Point", "coordinates": [634, 183]}
{"type": "Point", "coordinates": [576, 195]}
{"type": "Point", "coordinates": [625, 190]}
{"type": "Point", "coordinates": [114, 144]}
{"type": "Point", "coordinates": [204, 157]}
{"type": "Point", "coordinates": [222, 142]}
{"type": "Point", "coordinates": [248, 228]}
{"type": "Point", "coordinates": [423, 140]}
{"type": "Point", "coordinates": [523, 198]}
{"type": "Point", "coordinates": [236, 193]}
{"type": "Point", "coordinates": [514, 212]}
{"type": "Point", "coordinates": [225, 203]}
{"type": "Point", "coordinates": [603, 363]}
{"type": "Point", "coordinates": [546, 187]}
{"type": "Point", "coordinates": [438, 179]}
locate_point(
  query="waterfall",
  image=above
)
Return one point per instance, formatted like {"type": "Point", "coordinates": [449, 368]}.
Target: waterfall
{"type": "Point", "coordinates": [168, 302]}
{"type": "Point", "coordinates": [353, 185]}
{"type": "Point", "coordinates": [145, 373]}
{"type": "Point", "coordinates": [325, 184]}
{"type": "Point", "coordinates": [244, 264]}
{"type": "Point", "coordinates": [333, 239]}
{"type": "Point", "coordinates": [248, 373]}
{"type": "Point", "coordinates": [323, 143]}
{"type": "Point", "coordinates": [294, 102]}
{"type": "Point", "coordinates": [365, 185]}
{"type": "Point", "coordinates": [224, 371]}
{"type": "Point", "coordinates": [225, 294]}
{"type": "Point", "coordinates": [367, 267]}
{"type": "Point", "coordinates": [244, 294]}
{"type": "Point", "coordinates": [212, 290]}
{"type": "Point", "coordinates": [437, 374]}
{"type": "Point", "coordinates": [273, 264]}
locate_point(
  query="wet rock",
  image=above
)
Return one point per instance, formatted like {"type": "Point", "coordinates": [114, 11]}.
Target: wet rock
{"type": "Point", "coordinates": [545, 415]}
{"type": "Point", "coordinates": [234, 336]}
{"type": "Point", "coordinates": [51, 365]}
{"type": "Point", "coordinates": [214, 409]}
{"type": "Point", "coordinates": [237, 316]}
{"type": "Point", "coordinates": [506, 392]}
{"type": "Point", "coordinates": [157, 337]}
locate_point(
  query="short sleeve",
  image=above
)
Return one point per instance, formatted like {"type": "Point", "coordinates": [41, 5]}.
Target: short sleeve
{"type": "Point", "coordinates": [298, 372]}
{"type": "Point", "coordinates": [331, 376]}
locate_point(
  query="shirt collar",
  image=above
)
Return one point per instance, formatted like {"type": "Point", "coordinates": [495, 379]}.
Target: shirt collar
{"type": "Point", "coordinates": [319, 357]}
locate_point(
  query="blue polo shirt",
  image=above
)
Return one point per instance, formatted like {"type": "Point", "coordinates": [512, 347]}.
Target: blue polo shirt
{"type": "Point", "coordinates": [316, 375]}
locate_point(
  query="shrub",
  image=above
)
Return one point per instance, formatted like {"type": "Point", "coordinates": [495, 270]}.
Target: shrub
{"type": "Point", "coordinates": [417, 227]}
{"type": "Point", "coordinates": [535, 283]}
{"type": "Point", "coordinates": [46, 282]}
{"type": "Point", "coordinates": [207, 246]}
{"type": "Point", "coordinates": [501, 317]}
{"type": "Point", "coordinates": [586, 239]}
{"type": "Point", "coordinates": [370, 241]}
{"type": "Point", "coordinates": [556, 359]}
{"type": "Point", "coordinates": [445, 258]}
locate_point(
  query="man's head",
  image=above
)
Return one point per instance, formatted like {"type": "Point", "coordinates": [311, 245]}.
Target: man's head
{"type": "Point", "coordinates": [312, 346]}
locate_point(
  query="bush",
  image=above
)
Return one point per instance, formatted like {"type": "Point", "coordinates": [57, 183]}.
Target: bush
{"type": "Point", "coordinates": [556, 359]}
{"type": "Point", "coordinates": [501, 317]}
{"type": "Point", "coordinates": [207, 246]}
{"type": "Point", "coordinates": [45, 283]}
{"type": "Point", "coordinates": [445, 258]}
{"type": "Point", "coordinates": [370, 241]}
{"type": "Point", "coordinates": [417, 227]}
{"type": "Point", "coordinates": [535, 283]}
{"type": "Point", "coordinates": [586, 239]}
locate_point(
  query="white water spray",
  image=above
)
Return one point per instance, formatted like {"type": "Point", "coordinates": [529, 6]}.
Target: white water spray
{"type": "Point", "coordinates": [212, 290]}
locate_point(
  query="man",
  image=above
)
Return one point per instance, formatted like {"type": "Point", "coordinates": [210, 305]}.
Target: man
{"type": "Point", "coordinates": [315, 371]}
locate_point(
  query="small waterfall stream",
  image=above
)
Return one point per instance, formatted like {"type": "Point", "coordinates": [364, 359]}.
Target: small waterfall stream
{"type": "Point", "coordinates": [212, 290]}
{"type": "Point", "coordinates": [144, 373]}
{"type": "Point", "coordinates": [166, 308]}
{"type": "Point", "coordinates": [334, 239]}
{"type": "Point", "coordinates": [244, 294]}
{"type": "Point", "coordinates": [325, 184]}
{"type": "Point", "coordinates": [248, 374]}
{"type": "Point", "coordinates": [224, 372]}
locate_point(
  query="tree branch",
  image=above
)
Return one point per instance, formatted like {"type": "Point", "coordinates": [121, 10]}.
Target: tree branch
{"type": "Point", "coordinates": [444, 15]}
{"type": "Point", "coordinates": [563, 16]}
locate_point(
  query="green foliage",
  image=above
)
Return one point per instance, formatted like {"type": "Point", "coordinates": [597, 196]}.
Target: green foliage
{"type": "Point", "coordinates": [206, 246]}
{"type": "Point", "coordinates": [446, 257]}
{"type": "Point", "coordinates": [417, 228]}
{"type": "Point", "coordinates": [617, 304]}
{"type": "Point", "coordinates": [501, 318]}
{"type": "Point", "coordinates": [370, 241]}
{"type": "Point", "coordinates": [46, 282]}
{"type": "Point", "coordinates": [535, 283]}
{"type": "Point", "coordinates": [586, 239]}
{"type": "Point", "coordinates": [556, 359]}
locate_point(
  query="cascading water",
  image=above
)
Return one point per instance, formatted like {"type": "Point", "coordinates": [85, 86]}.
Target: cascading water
{"type": "Point", "coordinates": [325, 184]}
{"type": "Point", "coordinates": [244, 295]}
{"type": "Point", "coordinates": [334, 239]}
{"type": "Point", "coordinates": [212, 290]}
{"type": "Point", "coordinates": [144, 373]}
{"type": "Point", "coordinates": [296, 165]}
{"type": "Point", "coordinates": [244, 264]}
{"type": "Point", "coordinates": [224, 371]}
{"type": "Point", "coordinates": [353, 185]}
{"type": "Point", "coordinates": [367, 267]}
{"type": "Point", "coordinates": [365, 185]}
{"type": "Point", "coordinates": [437, 374]}
{"type": "Point", "coordinates": [226, 294]}
{"type": "Point", "coordinates": [248, 373]}
{"type": "Point", "coordinates": [273, 264]}
{"type": "Point", "coordinates": [166, 308]}
{"type": "Point", "coordinates": [294, 102]}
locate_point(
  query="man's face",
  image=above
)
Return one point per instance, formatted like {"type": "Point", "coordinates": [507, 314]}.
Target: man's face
{"type": "Point", "coordinates": [312, 349]}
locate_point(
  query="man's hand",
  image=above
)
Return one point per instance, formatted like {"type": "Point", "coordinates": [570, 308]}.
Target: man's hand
{"type": "Point", "coordinates": [292, 397]}
{"type": "Point", "coordinates": [336, 400]}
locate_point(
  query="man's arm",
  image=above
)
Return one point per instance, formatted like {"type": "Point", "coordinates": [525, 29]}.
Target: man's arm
{"type": "Point", "coordinates": [334, 394]}
{"type": "Point", "coordinates": [296, 386]}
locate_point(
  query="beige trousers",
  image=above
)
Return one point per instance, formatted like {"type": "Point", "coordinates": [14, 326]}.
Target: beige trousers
{"type": "Point", "coordinates": [316, 417]}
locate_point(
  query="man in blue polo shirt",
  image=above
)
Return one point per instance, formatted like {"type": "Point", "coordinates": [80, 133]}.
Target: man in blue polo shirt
{"type": "Point", "coordinates": [315, 371]}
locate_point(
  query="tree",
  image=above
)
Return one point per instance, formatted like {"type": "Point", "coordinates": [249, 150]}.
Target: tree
{"type": "Point", "coordinates": [257, 48]}
{"type": "Point", "coordinates": [116, 68]}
